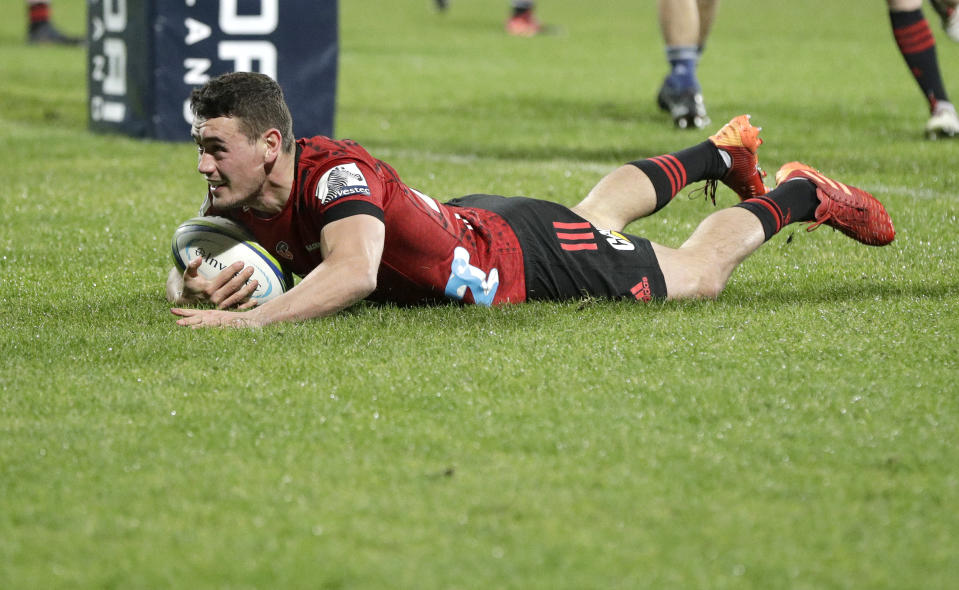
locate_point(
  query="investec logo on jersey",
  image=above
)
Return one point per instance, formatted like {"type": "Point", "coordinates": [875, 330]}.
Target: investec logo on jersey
{"type": "Point", "coordinates": [244, 50]}
{"type": "Point", "coordinates": [341, 181]}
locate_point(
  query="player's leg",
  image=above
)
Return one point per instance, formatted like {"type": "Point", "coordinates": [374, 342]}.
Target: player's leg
{"type": "Point", "coordinates": [645, 186]}
{"type": "Point", "coordinates": [681, 93]}
{"type": "Point", "coordinates": [679, 22]}
{"type": "Point", "coordinates": [701, 267]}
{"type": "Point", "coordinates": [522, 22]}
{"type": "Point", "coordinates": [707, 16]}
{"type": "Point", "coordinates": [949, 14]}
{"type": "Point", "coordinates": [918, 48]}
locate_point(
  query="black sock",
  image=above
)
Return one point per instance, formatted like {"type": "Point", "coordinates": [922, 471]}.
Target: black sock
{"type": "Point", "coordinates": [671, 172]}
{"type": "Point", "coordinates": [918, 48]}
{"type": "Point", "coordinates": [791, 201]}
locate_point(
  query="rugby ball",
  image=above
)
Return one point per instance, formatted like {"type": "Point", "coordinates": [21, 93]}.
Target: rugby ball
{"type": "Point", "coordinates": [221, 242]}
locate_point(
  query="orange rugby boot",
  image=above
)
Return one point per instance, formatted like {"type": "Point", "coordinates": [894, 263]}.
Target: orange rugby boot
{"type": "Point", "coordinates": [851, 210]}
{"type": "Point", "coordinates": [740, 139]}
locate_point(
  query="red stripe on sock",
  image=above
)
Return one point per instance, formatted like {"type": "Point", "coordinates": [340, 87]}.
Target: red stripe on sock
{"type": "Point", "coordinates": [682, 172]}
{"type": "Point", "coordinates": [670, 176]}
{"type": "Point", "coordinates": [920, 27]}
{"type": "Point", "coordinates": [915, 38]}
{"type": "Point", "coordinates": [678, 168]}
{"type": "Point", "coordinates": [674, 172]}
{"type": "Point", "coordinates": [773, 208]}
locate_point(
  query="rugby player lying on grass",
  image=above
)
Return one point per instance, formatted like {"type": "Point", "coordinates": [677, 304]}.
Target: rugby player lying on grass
{"type": "Point", "coordinates": [345, 221]}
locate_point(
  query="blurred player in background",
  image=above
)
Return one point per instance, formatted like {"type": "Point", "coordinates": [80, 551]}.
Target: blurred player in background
{"type": "Point", "coordinates": [918, 48]}
{"type": "Point", "coordinates": [685, 26]}
{"type": "Point", "coordinates": [949, 16]}
{"type": "Point", "coordinates": [521, 22]}
{"type": "Point", "coordinates": [40, 30]}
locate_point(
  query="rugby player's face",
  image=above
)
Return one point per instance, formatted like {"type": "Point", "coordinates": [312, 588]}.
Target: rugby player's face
{"type": "Point", "coordinates": [232, 165]}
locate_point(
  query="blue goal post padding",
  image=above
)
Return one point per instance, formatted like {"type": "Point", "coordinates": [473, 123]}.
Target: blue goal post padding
{"type": "Point", "coordinates": [145, 56]}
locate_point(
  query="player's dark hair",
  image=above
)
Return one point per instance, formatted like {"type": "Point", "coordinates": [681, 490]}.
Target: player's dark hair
{"type": "Point", "coordinates": [256, 100]}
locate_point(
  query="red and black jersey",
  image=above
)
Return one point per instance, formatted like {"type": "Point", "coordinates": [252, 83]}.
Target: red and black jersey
{"type": "Point", "coordinates": [431, 251]}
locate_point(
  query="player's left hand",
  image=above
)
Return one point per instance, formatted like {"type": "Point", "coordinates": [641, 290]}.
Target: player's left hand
{"type": "Point", "coordinates": [232, 287]}
{"type": "Point", "coordinates": [208, 318]}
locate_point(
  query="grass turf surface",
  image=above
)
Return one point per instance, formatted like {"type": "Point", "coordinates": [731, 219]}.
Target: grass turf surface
{"type": "Point", "coordinates": [799, 432]}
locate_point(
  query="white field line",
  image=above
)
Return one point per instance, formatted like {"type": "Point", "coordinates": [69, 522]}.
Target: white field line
{"type": "Point", "coordinates": [568, 165]}
{"type": "Point", "coordinates": [923, 194]}
{"type": "Point", "coordinates": [460, 159]}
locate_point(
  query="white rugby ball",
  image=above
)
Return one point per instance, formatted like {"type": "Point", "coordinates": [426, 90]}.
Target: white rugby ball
{"type": "Point", "coordinates": [221, 242]}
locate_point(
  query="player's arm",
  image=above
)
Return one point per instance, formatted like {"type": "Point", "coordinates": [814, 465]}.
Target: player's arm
{"type": "Point", "coordinates": [352, 248]}
{"type": "Point", "coordinates": [231, 287]}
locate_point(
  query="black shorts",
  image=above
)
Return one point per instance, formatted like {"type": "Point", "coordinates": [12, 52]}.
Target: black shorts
{"type": "Point", "coordinates": [566, 257]}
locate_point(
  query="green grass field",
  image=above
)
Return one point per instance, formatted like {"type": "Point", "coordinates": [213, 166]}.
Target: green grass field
{"type": "Point", "coordinates": [799, 432]}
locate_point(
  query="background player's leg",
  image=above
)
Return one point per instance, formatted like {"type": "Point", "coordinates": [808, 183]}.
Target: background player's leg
{"type": "Point", "coordinates": [522, 22]}
{"type": "Point", "coordinates": [41, 29]}
{"type": "Point", "coordinates": [948, 11]}
{"type": "Point", "coordinates": [684, 31]}
{"type": "Point", "coordinates": [707, 15]}
{"type": "Point", "coordinates": [679, 21]}
{"type": "Point", "coordinates": [918, 48]}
